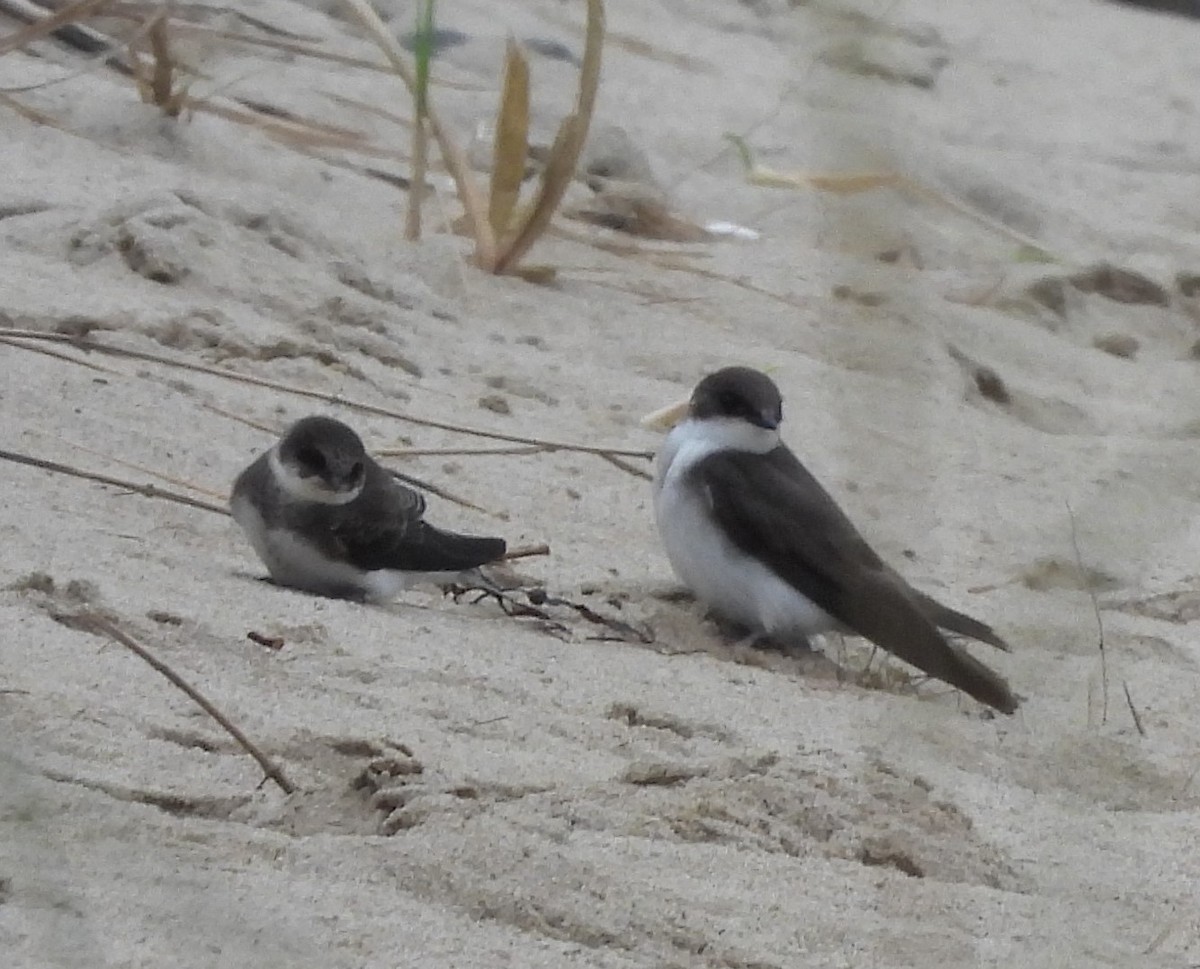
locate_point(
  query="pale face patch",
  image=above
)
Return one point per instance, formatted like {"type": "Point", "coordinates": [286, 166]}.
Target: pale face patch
{"type": "Point", "coordinates": [301, 488]}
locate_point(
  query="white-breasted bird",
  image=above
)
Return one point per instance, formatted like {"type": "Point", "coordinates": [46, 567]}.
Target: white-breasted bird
{"type": "Point", "coordinates": [757, 539]}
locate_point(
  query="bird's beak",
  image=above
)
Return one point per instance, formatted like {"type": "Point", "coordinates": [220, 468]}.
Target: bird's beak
{"type": "Point", "coordinates": [768, 421]}
{"type": "Point", "coordinates": [667, 417]}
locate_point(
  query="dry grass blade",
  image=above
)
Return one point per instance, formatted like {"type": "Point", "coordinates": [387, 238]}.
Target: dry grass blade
{"type": "Point", "coordinates": [441, 492]}
{"type": "Point", "coordinates": [13, 337]}
{"type": "Point", "coordinates": [421, 452]}
{"type": "Point", "coordinates": [31, 114]}
{"type": "Point", "coordinates": [525, 551]}
{"type": "Point", "coordinates": [568, 144]}
{"type": "Point", "coordinates": [309, 134]}
{"type": "Point", "coordinates": [625, 466]}
{"type": "Point", "coordinates": [70, 14]}
{"type": "Point", "coordinates": [850, 183]}
{"type": "Point", "coordinates": [137, 11]}
{"type": "Point", "coordinates": [158, 85]}
{"type": "Point", "coordinates": [452, 154]}
{"type": "Point", "coordinates": [423, 54]}
{"type": "Point", "coordinates": [1091, 591]}
{"type": "Point", "coordinates": [1137, 717]}
{"type": "Point", "coordinates": [133, 466]}
{"type": "Point", "coordinates": [511, 148]}
{"type": "Point", "coordinates": [146, 490]}
{"type": "Point", "coordinates": [101, 625]}
{"type": "Point", "coordinates": [153, 491]}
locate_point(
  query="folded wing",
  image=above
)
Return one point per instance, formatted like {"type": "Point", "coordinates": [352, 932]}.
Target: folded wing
{"type": "Point", "coordinates": [775, 511]}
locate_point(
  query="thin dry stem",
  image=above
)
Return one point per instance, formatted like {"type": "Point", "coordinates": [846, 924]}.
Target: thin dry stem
{"type": "Point", "coordinates": [453, 156]}
{"type": "Point", "coordinates": [132, 466]}
{"type": "Point", "coordinates": [13, 337]}
{"type": "Point", "coordinates": [146, 490]}
{"type": "Point", "coordinates": [257, 425]}
{"type": "Point", "coordinates": [100, 624]}
{"type": "Point", "coordinates": [73, 13]}
{"type": "Point", "coordinates": [1096, 610]}
{"type": "Point", "coordinates": [416, 187]}
{"type": "Point", "coordinates": [850, 183]}
{"type": "Point", "coordinates": [442, 452]}
{"type": "Point", "coordinates": [443, 493]}
{"type": "Point", "coordinates": [1137, 717]}
{"type": "Point", "coordinates": [626, 467]}
{"type": "Point", "coordinates": [525, 551]}
{"type": "Point", "coordinates": [162, 77]}
{"type": "Point", "coordinates": [568, 144]}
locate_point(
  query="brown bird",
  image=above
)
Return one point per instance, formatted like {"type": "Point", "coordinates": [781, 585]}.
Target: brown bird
{"type": "Point", "coordinates": [758, 540]}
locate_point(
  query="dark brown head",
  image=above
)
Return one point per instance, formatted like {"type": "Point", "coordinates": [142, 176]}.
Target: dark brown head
{"type": "Point", "coordinates": [738, 393]}
{"type": "Point", "coordinates": [320, 459]}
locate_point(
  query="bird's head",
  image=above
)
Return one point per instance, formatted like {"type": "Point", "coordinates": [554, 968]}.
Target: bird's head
{"type": "Point", "coordinates": [322, 460]}
{"type": "Point", "coordinates": [738, 394]}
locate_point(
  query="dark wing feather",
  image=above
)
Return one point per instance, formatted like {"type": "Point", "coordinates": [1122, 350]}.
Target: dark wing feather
{"type": "Point", "coordinates": [398, 537]}
{"type": "Point", "coordinates": [961, 623]}
{"type": "Point", "coordinates": [777, 512]}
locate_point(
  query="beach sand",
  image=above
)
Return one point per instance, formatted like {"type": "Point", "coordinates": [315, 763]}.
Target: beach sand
{"type": "Point", "coordinates": [1014, 427]}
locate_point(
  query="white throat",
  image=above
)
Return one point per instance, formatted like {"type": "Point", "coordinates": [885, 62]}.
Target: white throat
{"type": "Point", "coordinates": [692, 440]}
{"type": "Point", "coordinates": [306, 489]}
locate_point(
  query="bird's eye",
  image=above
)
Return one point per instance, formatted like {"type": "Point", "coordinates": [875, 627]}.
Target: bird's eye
{"type": "Point", "coordinates": [356, 471]}
{"type": "Point", "coordinates": [310, 457]}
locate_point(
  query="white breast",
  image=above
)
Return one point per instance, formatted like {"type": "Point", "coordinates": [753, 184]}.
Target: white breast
{"type": "Point", "coordinates": [293, 561]}
{"type": "Point", "coordinates": [734, 584]}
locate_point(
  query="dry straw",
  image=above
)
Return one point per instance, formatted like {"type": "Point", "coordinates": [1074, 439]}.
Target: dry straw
{"type": "Point", "coordinates": [503, 230]}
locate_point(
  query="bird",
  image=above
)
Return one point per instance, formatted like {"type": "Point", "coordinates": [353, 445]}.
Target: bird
{"type": "Point", "coordinates": [757, 539]}
{"type": "Point", "coordinates": [326, 518]}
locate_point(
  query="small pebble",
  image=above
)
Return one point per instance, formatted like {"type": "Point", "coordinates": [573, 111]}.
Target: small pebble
{"type": "Point", "coordinates": [497, 403]}
{"type": "Point", "coordinates": [1118, 344]}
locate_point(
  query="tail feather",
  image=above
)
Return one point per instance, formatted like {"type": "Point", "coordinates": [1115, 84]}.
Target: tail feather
{"type": "Point", "coordinates": [441, 551]}
{"type": "Point", "coordinates": [957, 622]}
{"type": "Point", "coordinates": [892, 614]}
{"type": "Point", "coordinates": [974, 678]}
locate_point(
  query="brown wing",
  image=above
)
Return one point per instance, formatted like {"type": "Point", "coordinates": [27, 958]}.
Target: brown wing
{"type": "Point", "coordinates": [398, 537]}
{"type": "Point", "coordinates": [393, 533]}
{"type": "Point", "coordinates": [777, 512]}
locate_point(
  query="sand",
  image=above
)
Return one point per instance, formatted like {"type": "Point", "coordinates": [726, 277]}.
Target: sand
{"type": "Point", "coordinates": [476, 790]}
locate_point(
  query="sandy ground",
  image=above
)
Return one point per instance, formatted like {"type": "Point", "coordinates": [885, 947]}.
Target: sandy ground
{"type": "Point", "coordinates": [474, 791]}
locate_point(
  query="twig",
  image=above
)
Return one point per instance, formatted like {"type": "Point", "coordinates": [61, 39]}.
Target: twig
{"type": "Point", "coordinates": [153, 491]}
{"type": "Point", "coordinates": [1095, 609]}
{"type": "Point", "coordinates": [169, 479]}
{"type": "Point", "coordinates": [510, 606]}
{"type": "Point", "coordinates": [102, 625]}
{"type": "Point", "coordinates": [625, 631]}
{"type": "Point", "coordinates": [49, 24]}
{"type": "Point", "coordinates": [443, 493]}
{"type": "Point", "coordinates": [1137, 717]}
{"type": "Point", "coordinates": [59, 355]}
{"type": "Point", "coordinates": [423, 452]}
{"type": "Point", "coordinates": [146, 490]}
{"type": "Point", "coordinates": [407, 479]}
{"type": "Point", "coordinates": [525, 551]}
{"type": "Point", "coordinates": [14, 336]}
{"type": "Point", "coordinates": [626, 466]}
{"type": "Point", "coordinates": [257, 425]}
